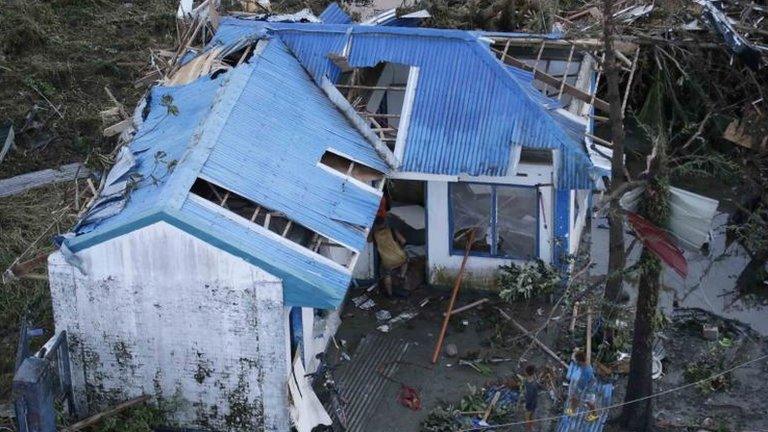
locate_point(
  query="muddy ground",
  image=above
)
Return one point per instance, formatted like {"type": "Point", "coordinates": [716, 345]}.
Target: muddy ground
{"type": "Point", "coordinates": [447, 381]}
{"type": "Point", "coordinates": [740, 406]}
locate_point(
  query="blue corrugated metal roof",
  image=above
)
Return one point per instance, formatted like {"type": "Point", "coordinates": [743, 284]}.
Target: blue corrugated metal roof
{"type": "Point", "coordinates": [258, 130]}
{"type": "Point", "coordinates": [469, 109]}
{"type": "Point", "coordinates": [334, 14]}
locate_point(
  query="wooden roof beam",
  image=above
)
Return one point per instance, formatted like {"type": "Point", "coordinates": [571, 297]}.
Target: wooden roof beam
{"type": "Point", "coordinates": [554, 82]}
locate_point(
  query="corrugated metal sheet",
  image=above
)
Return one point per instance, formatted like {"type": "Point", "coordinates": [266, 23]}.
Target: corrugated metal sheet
{"type": "Point", "coordinates": [469, 109]}
{"type": "Point", "coordinates": [578, 422]}
{"type": "Point", "coordinates": [277, 138]}
{"type": "Point", "coordinates": [333, 14]}
{"type": "Point", "coordinates": [260, 131]}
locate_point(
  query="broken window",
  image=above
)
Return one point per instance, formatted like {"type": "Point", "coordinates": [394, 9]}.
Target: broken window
{"type": "Point", "coordinates": [536, 156]}
{"type": "Point", "coordinates": [274, 221]}
{"type": "Point", "coordinates": [505, 219]}
{"type": "Point", "coordinates": [378, 94]}
{"type": "Point", "coordinates": [350, 168]}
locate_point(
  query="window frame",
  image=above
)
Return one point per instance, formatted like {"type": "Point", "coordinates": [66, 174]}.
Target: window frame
{"type": "Point", "coordinates": [494, 214]}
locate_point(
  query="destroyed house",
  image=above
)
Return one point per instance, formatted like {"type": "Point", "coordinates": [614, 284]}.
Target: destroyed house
{"type": "Point", "coordinates": [227, 233]}
{"type": "Point", "coordinates": [485, 145]}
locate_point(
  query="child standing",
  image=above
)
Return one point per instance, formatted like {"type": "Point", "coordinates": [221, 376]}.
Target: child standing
{"type": "Point", "coordinates": [531, 396]}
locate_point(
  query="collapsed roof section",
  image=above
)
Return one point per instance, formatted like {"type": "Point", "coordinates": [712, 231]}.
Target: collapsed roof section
{"type": "Point", "coordinates": [236, 159]}
{"type": "Point", "coordinates": [469, 111]}
{"type": "Point", "coordinates": [246, 147]}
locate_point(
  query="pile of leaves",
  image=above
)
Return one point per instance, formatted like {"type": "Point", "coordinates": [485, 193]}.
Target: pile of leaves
{"type": "Point", "coordinates": [523, 282]}
{"type": "Point", "coordinates": [708, 363]}
{"type": "Point", "coordinates": [450, 417]}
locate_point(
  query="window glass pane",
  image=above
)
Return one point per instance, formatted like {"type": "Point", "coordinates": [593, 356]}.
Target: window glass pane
{"type": "Point", "coordinates": [471, 208]}
{"type": "Point", "coordinates": [516, 223]}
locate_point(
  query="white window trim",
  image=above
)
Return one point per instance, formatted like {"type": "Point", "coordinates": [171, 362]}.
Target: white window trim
{"type": "Point", "coordinates": [405, 115]}
{"type": "Point", "coordinates": [351, 179]}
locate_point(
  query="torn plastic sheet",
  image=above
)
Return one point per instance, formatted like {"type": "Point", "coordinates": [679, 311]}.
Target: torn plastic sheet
{"type": "Point", "coordinates": [660, 243]}
{"type": "Point", "coordinates": [736, 43]}
{"type": "Point", "coordinates": [690, 217]}
{"type": "Point", "coordinates": [306, 410]}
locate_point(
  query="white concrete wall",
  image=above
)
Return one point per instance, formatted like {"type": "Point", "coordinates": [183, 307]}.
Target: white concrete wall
{"type": "Point", "coordinates": [578, 220]}
{"type": "Point", "coordinates": [365, 266]}
{"type": "Point", "coordinates": [160, 312]}
{"type": "Point", "coordinates": [482, 269]}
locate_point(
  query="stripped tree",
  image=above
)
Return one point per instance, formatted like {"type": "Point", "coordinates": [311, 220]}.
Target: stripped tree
{"type": "Point", "coordinates": [616, 257]}
{"type": "Point", "coordinates": [655, 208]}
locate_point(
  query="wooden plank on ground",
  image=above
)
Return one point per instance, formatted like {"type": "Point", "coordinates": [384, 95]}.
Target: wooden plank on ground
{"type": "Point", "coordinates": [7, 139]}
{"type": "Point", "coordinates": [25, 182]}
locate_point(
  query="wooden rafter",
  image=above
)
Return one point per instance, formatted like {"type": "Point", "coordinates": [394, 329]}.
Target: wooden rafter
{"type": "Point", "coordinates": [554, 82]}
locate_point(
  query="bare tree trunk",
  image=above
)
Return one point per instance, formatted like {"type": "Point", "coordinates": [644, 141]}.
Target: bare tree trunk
{"type": "Point", "coordinates": [638, 416]}
{"type": "Point", "coordinates": [654, 206]}
{"type": "Point", "coordinates": [616, 252]}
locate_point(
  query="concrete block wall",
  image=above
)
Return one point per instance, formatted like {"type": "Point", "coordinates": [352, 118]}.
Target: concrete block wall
{"type": "Point", "coordinates": [160, 312]}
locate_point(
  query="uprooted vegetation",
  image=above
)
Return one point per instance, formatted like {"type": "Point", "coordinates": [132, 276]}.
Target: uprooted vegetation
{"type": "Point", "coordinates": [58, 56]}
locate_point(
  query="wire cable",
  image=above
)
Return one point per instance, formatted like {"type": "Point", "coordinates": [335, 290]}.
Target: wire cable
{"type": "Point", "coordinates": [618, 405]}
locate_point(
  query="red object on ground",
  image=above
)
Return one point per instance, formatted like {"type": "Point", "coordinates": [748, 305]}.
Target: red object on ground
{"type": "Point", "coordinates": [409, 398]}
{"type": "Point", "coordinates": [660, 243]}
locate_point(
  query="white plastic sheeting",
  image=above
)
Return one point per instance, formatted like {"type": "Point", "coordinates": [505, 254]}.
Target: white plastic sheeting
{"type": "Point", "coordinates": [306, 410]}
{"type": "Point", "coordinates": [691, 214]}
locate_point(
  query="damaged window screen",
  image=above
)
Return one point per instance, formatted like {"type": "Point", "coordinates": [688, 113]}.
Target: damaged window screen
{"type": "Point", "coordinates": [471, 206]}
{"type": "Point", "coordinates": [516, 221]}
{"type": "Point", "coordinates": [505, 219]}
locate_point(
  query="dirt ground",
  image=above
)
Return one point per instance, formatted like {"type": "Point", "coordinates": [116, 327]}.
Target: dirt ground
{"type": "Point", "coordinates": [738, 407]}
{"type": "Point", "coordinates": [447, 381]}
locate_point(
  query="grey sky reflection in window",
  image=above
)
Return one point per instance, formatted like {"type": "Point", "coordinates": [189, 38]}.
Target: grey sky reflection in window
{"type": "Point", "coordinates": [505, 219]}
{"type": "Point", "coordinates": [516, 221]}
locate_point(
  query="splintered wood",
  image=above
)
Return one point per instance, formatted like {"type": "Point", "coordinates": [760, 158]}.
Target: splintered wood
{"type": "Point", "coordinates": [25, 182]}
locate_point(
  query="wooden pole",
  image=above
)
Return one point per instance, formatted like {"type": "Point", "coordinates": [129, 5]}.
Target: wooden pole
{"type": "Point", "coordinates": [469, 306]}
{"type": "Point", "coordinates": [575, 315]}
{"type": "Point", "coordinates": [533, 338]}
{"type": "Point", "coordinates": [454, 294]}
{"type": "Point", "coordinates": [589, 334]}
{"type": "Point", "coordinates": [100, 416]}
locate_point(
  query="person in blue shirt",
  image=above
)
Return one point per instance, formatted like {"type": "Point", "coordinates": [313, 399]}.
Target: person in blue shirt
{"type": "Point", "coordinates": [584, 387]}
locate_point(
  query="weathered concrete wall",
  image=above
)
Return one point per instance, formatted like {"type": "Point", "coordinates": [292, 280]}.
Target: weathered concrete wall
{"type": "Point", "coordinates": [160, 312]}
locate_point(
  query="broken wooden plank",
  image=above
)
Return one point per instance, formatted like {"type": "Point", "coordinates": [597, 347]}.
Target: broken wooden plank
{"type": "Point", "coordinates": [554, 82]}
{"type": "Point", "coordinates": [23, 269]}
{"type": "Point", "coordinates": [7, 138]}
{"type": "Point", "coordinates": [625, 46]}
{"type": "Point", "coordinates": [25, 182]}
{"type": "Point", "coordinates": [468, 306]}
{"type": "Point", "coordinates": [117, 128]}
{"type": "Point", "coordinates": [365, 87]}
{"type": "Point", "coordinates": [82, 424]}
{"type": "Point", "coordinates": [454, 294]}
{"type": "Point", "coordinates": [533, 338]}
